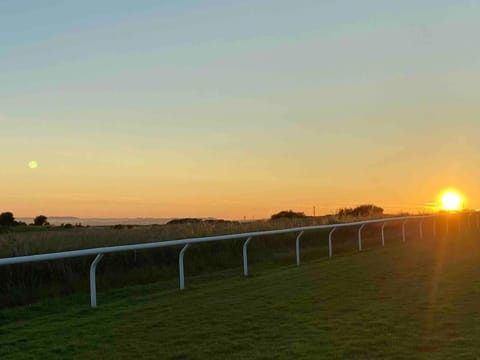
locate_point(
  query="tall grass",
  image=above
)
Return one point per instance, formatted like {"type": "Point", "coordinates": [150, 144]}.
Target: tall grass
{"type": "Point", "coordinates": [26, 283]}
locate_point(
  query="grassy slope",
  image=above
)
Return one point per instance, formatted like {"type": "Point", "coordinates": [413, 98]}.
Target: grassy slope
{"type": "Point", "coordinates": [414, 300]}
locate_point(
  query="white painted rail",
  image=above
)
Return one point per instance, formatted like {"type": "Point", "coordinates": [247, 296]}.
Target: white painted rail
{"type": "Point", "coordinates": [101, 251]}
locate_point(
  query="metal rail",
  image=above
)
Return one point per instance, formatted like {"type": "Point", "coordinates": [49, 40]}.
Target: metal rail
{"type": "Point", "coordinates": [101, 251]}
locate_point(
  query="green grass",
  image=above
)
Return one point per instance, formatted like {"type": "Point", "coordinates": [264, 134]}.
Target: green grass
{"type": "Point", "coordinates": [417, 300]}
{"type": "Point", "coordinates": [27, 283]}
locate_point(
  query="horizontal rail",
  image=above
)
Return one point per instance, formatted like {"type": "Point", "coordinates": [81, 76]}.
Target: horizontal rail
{"type": "Point", "coordinates": [160, 244]}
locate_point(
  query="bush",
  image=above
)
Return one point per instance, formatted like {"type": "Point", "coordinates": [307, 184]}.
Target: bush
{"type": "Point", "coordinates": [361, 211]}
{"type": "Point", "coordinates": [288, 215]}
{"type": "Point", "coordinates": [184, 221]}
{"type": "Point", "coordinates": [40, 220]}
{"type": "Point", "coordinates": [7, 219]}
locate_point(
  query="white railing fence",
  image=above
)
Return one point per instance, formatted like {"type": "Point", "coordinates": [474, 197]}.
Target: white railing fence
{"type": "Point", "coordinates": [100, 252]}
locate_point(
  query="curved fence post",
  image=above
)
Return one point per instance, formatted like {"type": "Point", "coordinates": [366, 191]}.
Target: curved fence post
{"type": "Point", "coordinates": [420, 229]}
{"type": "Point", "coordinates": [93, 285]}
{"type": "Point", "coordinates": [403, 230]}
{"type": "Point", "coordinates": [297, 247]}
{"type": "Point", "coordinates": [383, 234]}
{"type": "Point", "coordinates": [330, 248]}
{"type": "Point", "coordinates": [245, 256]}
{"type": "Point", "coordinates": [360, 237]}
{"type": "Point", "coordinates": [181, 267]}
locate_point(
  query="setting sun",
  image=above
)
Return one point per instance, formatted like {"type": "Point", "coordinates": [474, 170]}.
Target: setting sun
{"type": "Point", "coordinates": [451, 201]}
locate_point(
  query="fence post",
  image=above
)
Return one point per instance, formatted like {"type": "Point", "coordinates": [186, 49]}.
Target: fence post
{"type": "Point", "coordinates": [360, 237]}
{"type": "Point", "coordinates": [245, 256]}
{"type": "Point", "coordinates": [434, 227]}
{"type": "Point", "coordinates": [478, 221]}
{"type": "Point", "coordinates": [297, 247]}
{"type": "Point", "coordinates": [93, 285]}
{"type": "Point", "coordinates": [446, 224]}
{"type": "Point", "coordinates": [330, 248]}
{"type": "Point", "coordinates": [181, 267]}
{"type": "Point", "coordinates": [403, 230]}
{"type": "Point", "coordinates": [383, 234]}
{"type": "Point", "coordinates": [420, 229]}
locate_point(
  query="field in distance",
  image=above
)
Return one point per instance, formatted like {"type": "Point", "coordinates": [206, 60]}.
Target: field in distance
{"type": "Point", "coordinates": [417, 300]}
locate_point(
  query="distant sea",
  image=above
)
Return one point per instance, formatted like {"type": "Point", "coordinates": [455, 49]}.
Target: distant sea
{"type": "Point", "coordinates": [58, 220]}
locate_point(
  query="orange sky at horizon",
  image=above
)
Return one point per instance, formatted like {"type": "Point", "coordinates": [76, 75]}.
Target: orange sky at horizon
{"type": "Point", "coordinates": [251, 198]}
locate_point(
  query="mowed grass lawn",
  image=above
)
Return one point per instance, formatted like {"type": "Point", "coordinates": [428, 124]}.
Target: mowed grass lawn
{"type": "Point", "coordinates": [418, 300]}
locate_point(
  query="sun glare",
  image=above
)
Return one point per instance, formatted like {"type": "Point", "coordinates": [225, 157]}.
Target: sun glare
{"type": "Point", "coordinates": [451, 201]}
{"type": "Point", "coordinates": [33, 164]}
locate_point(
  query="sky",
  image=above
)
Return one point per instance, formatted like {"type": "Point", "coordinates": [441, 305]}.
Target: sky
{"type": "Point", "coordinates": [236, 109]}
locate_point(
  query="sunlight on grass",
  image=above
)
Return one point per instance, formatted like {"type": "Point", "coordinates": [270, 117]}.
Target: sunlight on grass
{"type": "Point", "coordinates": [417, 300]}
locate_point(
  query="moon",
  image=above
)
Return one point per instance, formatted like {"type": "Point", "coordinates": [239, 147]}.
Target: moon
{"type": "Point", "coordinates": [33, 164]}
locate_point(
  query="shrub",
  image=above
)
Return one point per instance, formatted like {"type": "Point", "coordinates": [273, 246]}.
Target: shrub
{"type": "Point", "coordinates": [7, 219]}
{"type": "Point", "coordinates": [288, 214]}
{"type": "Point", "coordinates": [184, 221]}
{"type": "Point", "coordinates": [40, 220]}
{"type": "Point", "coordinates": [361, 211]}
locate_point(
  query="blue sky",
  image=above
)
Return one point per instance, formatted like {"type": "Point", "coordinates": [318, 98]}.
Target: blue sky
{"type": "Point", "coordinates": [229, 108]}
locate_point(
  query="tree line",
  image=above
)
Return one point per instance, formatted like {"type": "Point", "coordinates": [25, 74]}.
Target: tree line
{"type": "Point", "coordinates": [8, 219]}
{"type": "Point", "coordinates": [359, 211]}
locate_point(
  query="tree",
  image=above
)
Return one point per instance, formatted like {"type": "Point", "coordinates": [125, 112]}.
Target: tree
{"type": "Point", "coordinates": [184, 221]}
{"type": "Point", "coordinates": [361, 211]}
{"type": "Point", "coordinates": [7, 219]}
{"type": "Point", "coordinates": [288, 215]}
{"type": "Point", "coordinates": [40, 220]}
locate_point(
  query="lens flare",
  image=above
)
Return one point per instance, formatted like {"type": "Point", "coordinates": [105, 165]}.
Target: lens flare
{"type": "Point", "coordinates": [33, 164]}
{"type": "Point", "coordinates": [451, 200]}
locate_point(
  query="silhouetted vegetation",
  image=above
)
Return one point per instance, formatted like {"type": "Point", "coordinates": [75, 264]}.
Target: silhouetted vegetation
{"type": "Point", "coordinates": [41, 220]}
{"type": "Point", "coordinates": [198, 220]}
{"type": "Point", "coordinates": [121, 227]}
{"type": "Point", "coordinates": [184, 221]}
{"type": "Point", "coordinates": [218, 221]}
{"type": "Point", "coordinates": [7, 219]}
{"type": "Point", "coordinates": [288, 214]}
{"type": "Point", "coordinates": [361, 211]}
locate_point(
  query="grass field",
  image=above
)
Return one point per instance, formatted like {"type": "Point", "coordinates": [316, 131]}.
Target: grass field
{"type": "Point", "coordinates": [27, 283]}
{"type": "Point", "coordinates": [417, 300]}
